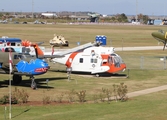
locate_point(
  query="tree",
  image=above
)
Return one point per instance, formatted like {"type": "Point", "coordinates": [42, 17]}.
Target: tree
{"type": "Point", "coordinates": [1, 14]}
{"type": "Point", "coordinates": [122, 17]}
{"type": "Point", "coordinates": [144, 18]}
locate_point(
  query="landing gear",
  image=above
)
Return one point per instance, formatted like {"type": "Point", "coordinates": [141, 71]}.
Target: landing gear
{"type": "Point", "coordinates": [17, 79]}
{"type": "Point", "coordinates": [97, 75]}
{"type": "Point", "coordinates": [33, 83]}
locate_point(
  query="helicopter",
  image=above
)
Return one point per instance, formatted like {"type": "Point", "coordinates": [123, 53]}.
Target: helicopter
{"type": "Point", "coordinates": [19, 64]}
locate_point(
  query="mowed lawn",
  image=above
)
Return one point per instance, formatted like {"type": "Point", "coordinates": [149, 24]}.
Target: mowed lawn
{"type": "Point", "coordinates": [117, 35]}
{"type": "Point", "coordinates": [147, 107]}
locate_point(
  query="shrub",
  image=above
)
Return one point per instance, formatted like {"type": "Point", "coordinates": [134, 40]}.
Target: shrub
{"type": "Point", "coordinates": [21, 95]}
{"type": "Point", "coordinates": [102, 97]}
{"type": "Point", "coordinates": [46, 100]}
{"type": "Point", "coordinates": [107, 93]}
{"type": "Point", "coordinates": [17, 96]}
{"type": "Point", "coordinates": [5, 100]}
{"type": "Point", "coordinates": [122, 91]}
{"type": "Point", "coordinates": [71, 95]}
{"type": "Point", "coordinates": [114, 92]}
{"type": "Point", "coordinates": [81, 95]}
{"type": "Point", "coordinates": [60, 97]}
{"type": "Point", "coordinates": [95, 98]}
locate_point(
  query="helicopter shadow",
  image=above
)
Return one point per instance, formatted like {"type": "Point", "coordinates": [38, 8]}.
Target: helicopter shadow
{"type": "Point", "coordinates": [41, 82]}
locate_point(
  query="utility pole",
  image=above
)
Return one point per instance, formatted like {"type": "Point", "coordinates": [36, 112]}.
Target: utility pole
{"type": "Point", "coordinates": [32, 9]}
{"type": "Point", "coordinates": [136, 10]}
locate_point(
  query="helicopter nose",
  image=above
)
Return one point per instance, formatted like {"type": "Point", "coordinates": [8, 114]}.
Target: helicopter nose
{"type": "Point", "coordinates": [159, 36]}
{"type": "Point", "coordinates": [156, 34]}
{"type": "Point", "coordinates": [34, 67]}
{"type": "Point", "coordinates": [43, 66]}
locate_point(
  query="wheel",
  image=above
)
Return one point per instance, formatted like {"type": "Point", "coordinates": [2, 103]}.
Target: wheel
{"type": "Point", "coordinates": [33, 83]}
{"type": "Point", "coordinates": [17, 79]}
{"type": "Point", "coordinates": [34, 86]}
{"type": "Point", "coordinates": [97, 75]}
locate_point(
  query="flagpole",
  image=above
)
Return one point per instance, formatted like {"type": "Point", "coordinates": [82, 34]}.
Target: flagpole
{"type": "Point", "coordinates": [10, 97]}
{"type": "Point", "coordinates": [10, 94]}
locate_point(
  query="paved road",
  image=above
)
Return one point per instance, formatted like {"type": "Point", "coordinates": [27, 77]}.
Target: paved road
{"type": "Point", "coordinates": [147, 91]}
{"type": "Point", "coordinates": [144, 92]}
{"type": "Point", "coordinates": [121, 48]}
{"type": "Point", "coordinates": [139, 48]}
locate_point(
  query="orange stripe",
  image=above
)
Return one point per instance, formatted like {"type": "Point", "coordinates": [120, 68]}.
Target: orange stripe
{"type": "Point", "coordinates": [72, 56]}
{"type": "Point", "coordinates": [39, 51]}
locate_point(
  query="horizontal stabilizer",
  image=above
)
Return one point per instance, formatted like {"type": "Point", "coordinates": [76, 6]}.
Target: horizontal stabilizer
{"type": "Point", "coordinates": [21, 73]}
{"type": "Point", "coordinates": [50, 56]}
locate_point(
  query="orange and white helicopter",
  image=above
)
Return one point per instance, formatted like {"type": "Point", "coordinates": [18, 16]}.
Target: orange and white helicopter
{"type": "Point", "coordinates": [92, 59]}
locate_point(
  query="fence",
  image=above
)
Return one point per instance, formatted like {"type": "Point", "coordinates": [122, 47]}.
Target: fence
{"type": "Point", "coordinates": [145, 62]}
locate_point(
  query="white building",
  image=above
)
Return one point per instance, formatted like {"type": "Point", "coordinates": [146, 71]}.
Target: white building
{"type": "Point", "coordinates": [49, 14]}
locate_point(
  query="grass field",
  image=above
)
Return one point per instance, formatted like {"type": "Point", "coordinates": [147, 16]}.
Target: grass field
{"type": "Point", "coordinates": [116, 35]}
{"type": "Point", "coordinates": [147, 107]}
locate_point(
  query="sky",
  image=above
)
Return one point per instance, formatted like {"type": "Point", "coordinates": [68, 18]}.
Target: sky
{"type": "Point", "coordinates": [105, 7]}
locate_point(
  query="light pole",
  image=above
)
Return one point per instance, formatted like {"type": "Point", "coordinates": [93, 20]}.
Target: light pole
{"type": "Point", "coordinates": [2, 11]}
{"type": "Point", "coordinates": [136, 10]}
{"type": "Point", "coordinates": [32, 9]}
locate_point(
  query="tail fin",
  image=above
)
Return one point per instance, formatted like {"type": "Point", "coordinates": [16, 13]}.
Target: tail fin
{"type": "Point", "coordinates": [38, 51]}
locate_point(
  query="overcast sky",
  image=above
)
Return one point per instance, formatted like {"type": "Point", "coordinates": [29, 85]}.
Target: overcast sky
{"type": "Point", "coordinates": [129, 7]}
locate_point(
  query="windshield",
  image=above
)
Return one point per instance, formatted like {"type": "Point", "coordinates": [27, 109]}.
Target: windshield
{"type": "Point", "coordinates": [116, 59]}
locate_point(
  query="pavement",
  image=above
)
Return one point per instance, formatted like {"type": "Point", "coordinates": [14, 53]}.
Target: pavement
{"type": "Point", "coordinates": [138, 48]}
{"type": "Point", "coordinates": [119, 48]}
{"type": "Point", "coordinates": [147, 91]}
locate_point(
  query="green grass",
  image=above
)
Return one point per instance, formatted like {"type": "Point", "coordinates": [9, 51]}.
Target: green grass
{"type": "Point", "coordinates": [146, 107]}
{"type": "Point", "coordinates": [116, 35]}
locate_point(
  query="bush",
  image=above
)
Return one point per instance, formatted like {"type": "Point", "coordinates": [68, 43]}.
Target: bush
{"type": "Point", "coordinates": [107, 93]}
{"type": "Point", "coordinates": [81, 95]}
{"type": "Point", "coordinates": [60, 97]}
{"type": "Point", "coordinates": [17, 96]}
{"type": "Point", "coordinates": [5, 100]}
{"type": "Point", "coordinates": [118, 92]}
{"type": "Point", "coordinates": [46, 100]}
{"type": "Point", "coordinates": [71, 95]}
{"type": "Point", "coordinates": [21, 95]}
{"type": "Point", "coordinates": [122, 91]}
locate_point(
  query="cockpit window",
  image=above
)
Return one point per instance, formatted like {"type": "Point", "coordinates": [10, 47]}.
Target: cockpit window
{"type": "Point", "coordinates": [25, 50]}
{"type": "Point", "coordinates": [161, 31]}
{"type": "Point", "coordinates": [113, 54]}
{"type": "Point", "coordinates": [17, 56]}
{"type": "Point", "coordinates": [110, 61]}
{"type": "Point", "coordinates": [9, 49]}
{"type": "Point", "coordinates": [20, 56]}
{"type": "Point", "coordinates": [117, 60]}
{"type": "Point", "coordinates": [12, 44]}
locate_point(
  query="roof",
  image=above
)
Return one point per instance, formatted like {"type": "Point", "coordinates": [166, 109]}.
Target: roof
{"type": "Point", "coordinates": [11, 40]}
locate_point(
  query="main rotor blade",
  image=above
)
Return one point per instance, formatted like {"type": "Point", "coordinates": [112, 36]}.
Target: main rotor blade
{"type": "Point", "coordinates": [40, 43]}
